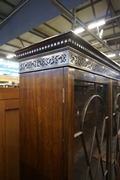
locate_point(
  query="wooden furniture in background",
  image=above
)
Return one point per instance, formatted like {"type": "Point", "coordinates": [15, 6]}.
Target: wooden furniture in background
{"type": "Point", "coordinates": [9, 133]}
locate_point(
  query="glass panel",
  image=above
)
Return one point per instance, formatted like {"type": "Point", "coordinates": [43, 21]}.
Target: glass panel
{"type": "Point", "coordinates": [88, 133]}
{"type": "Point", "coordinates": [116, 130]}
{"type": "Point", "coordinates": [116, 90]}
{"type": "Point", "coordinates": [83, 90]}
{"type": "Point", "coordinates": [103, 92]}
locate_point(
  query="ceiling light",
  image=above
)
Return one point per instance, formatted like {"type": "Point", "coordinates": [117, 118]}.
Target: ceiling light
{"type": "Point", "coordinates": [111, 55]}
{"type": "Point", "coordinates": [79, 30]}
{"type": "Point", "coordinates": [10, 56]}
{"type": "Point", "coordinates": [96, 24]}
{"type": "Point", "coordinates": [1, 59]}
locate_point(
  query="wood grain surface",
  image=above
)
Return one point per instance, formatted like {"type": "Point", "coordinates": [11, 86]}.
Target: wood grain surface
{"type": "Point", "coordinates": [41, 125]}
{"type": "Point", "coordinates": [9, 134]}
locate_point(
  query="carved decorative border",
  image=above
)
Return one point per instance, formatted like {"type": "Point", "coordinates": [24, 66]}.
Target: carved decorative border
{"type": "Point", "coordinates": [44, 62]}
{"type": "Point", "coordinates": [67, 58]}
{"type": "Point", "coordinates": [91, 65]}
{"type": "Point", "coordinates": [42, 48]}
{"type": "Point", "coordinates": [55, 44]}
{"type": "Point", "coordinates": [68, 39]}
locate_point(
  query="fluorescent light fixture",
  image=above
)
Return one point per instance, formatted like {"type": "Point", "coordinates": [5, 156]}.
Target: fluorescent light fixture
{"type": "Point", "coordinates": [79, 30]}
{"type": "Point", "coordinates": [111, 55]}
{"type": "Point", "coordinates": [10, 56]}
{"type": "Point", "coordinates": [101, 34]}
{"type": "Point", "coordinates": [96, 24]}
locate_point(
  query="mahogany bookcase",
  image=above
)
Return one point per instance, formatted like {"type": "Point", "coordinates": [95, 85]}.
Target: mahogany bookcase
{"type": "Point", "coordinates": [69, 111]}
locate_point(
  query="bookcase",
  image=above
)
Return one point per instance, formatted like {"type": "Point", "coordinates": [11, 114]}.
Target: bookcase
{"type": "Point", "coordinates": [67, 111]}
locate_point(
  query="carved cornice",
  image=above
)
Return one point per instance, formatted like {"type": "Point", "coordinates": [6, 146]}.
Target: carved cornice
{"type": "Point", "coordinates": [44, 62]}
{"type": "Point", "coordinates": [97, 62]}
{"type": "Point", "coordinates": [69, 57]}
{"type": "Point", "coordinates": [89, 64]}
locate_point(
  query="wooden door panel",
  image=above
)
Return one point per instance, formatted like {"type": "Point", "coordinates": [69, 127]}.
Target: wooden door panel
{"type": "Point", "coordinates": [41, 123]}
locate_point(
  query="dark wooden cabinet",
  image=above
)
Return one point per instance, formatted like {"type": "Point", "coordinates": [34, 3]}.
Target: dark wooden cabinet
{"type": "Point", "coordinates": [44, 132]}
{"type": "Point", "coordinates": [66, 110]}
{"type": "Point", "coordinates": [9, 134]}
{"type": "Point", "coordinates": [42, 125]}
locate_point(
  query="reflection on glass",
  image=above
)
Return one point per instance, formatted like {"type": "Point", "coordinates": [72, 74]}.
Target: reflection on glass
{"type": "Point", "coordinates": [88, 142]}
{"type": "Point", "coordinates": [116, 127]}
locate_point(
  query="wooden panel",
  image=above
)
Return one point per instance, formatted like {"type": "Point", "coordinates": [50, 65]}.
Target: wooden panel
{"type": "Point", "coordinates": [41, 125]}
{"type": "Point", "coordinates": [12, 104]}
{"type": "Point", "coordinates": [2, 141]}
{"type": "Point", "coordinates": [12, 144]}
{"type": "Point", "coordinates": [68, 123]}
{"type": "Point", "coordinates": [9, 93]}
{"type": "Point", "coordinates": [9, 134]}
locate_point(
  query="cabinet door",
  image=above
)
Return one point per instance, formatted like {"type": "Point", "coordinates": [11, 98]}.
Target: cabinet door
{"type": "Point", "coordinates": [9, 133]}
{"type": "Point", "coordinates": [12, 144]}
{"type": "Point", "coordinates": [90, 132]}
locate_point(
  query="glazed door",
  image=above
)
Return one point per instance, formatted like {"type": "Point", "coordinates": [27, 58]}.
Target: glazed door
{"type": "Point", "coordinates": [116, 133]}
{"type": "Point", "coordinates": [90, 131]}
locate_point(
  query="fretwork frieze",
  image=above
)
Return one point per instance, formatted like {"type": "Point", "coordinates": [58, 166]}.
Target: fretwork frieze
{"type": "Point", "coordinates": [67, 58]}
{"type": "Point", "coordinates": [91, 65]}
{"type": "Point", "coordinates": [44, 62]}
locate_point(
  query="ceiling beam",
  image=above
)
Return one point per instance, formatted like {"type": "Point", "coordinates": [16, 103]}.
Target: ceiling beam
{"type": "Point", "coordinates": [85, 33]}
{"type": "Point", "coordinates": [18, 47]}
{"type": "Point", "coordinates": [109, 37]}
{"type": "Point", "coordinates": [15, 9]}
{"type": "Point", "coordinates": [74, 20]}
{"type": "Point", "coordinates": [39, 33]}
{"type": "Point", "coordinates": [2, 16]}
{"type": "Point", "coordinates": [112, 42]}
{"type": "Point", "coordinates": [113, 13]}
{"type": "Point", "coordinates": [67, 19]}
{"type": "Point", "coordinates": [94, 14]}
{"type": "Point", "coordinates": [106, 38]}
{"type": "Point", "coordinates": [31, 15]}
{"type": "Point", "coordinates": [5, 52]}
{"type": "Point", "coordinates": [52, 28]}
{"type": "Point", "coordinates": [26, 41]}
{"type": "Point", "coordinates": [19, 38]}
{"type": "Point", "coordinates": [21, 41]}
{"type": "Point", "coordinates": [70, 15]}
{"type": "Point", "coordinates": [88, 5]}
{"type": "Point", "coordinates": [8, 3]}
{"type": "Point", "coordinates": [80, 9]}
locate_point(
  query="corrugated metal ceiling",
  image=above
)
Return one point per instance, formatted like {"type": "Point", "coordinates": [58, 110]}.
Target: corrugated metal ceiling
{"type": "Point", "coordinates": [91, 11]}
